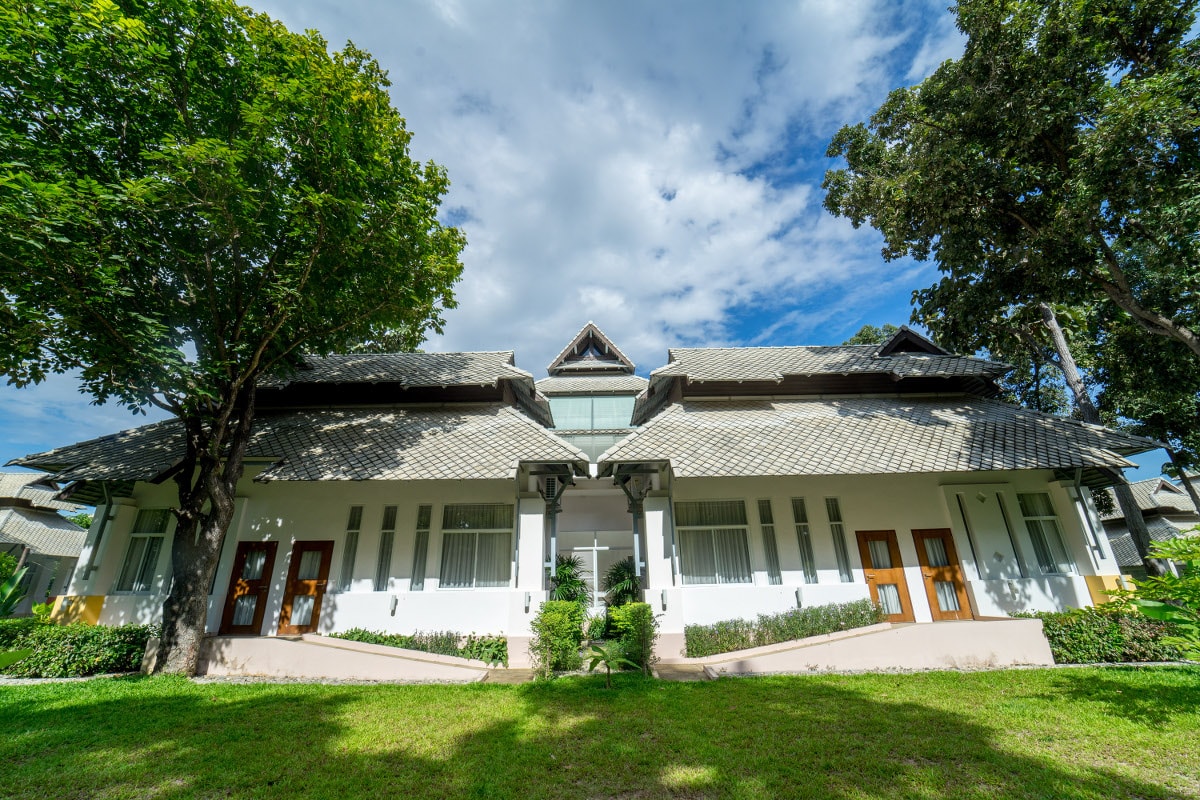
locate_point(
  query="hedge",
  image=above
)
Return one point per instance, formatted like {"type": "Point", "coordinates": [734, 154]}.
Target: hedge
{"type": "Point", "coordinates": [489, 649]}
{"type": "Point", "coordinates": [1104, 635]}
{"type": "Point", "coordinates": [557, 636]}
{"type": "Point", "coordinates": [72, 651]}
{"type": "Point", "coordinates": [637, 628]}
{"type": "Point", "coordinates": [800, 623]}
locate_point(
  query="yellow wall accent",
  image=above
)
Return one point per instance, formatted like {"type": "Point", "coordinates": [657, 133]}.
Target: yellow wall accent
{"type": "Point", "coordinates": [1100, 585]}
{"type": "Point", "coordinates": [77, 608]}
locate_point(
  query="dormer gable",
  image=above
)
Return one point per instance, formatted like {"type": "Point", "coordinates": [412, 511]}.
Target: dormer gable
{"type": "Point", "coordinates": [591, 352]}
{"type": "Point", "coordinates": [906, 340]}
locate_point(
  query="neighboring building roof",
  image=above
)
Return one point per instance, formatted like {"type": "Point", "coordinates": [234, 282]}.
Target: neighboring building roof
{"type": "Point", "coordinates": [415, 443]}
{"type": "Point", "coordinates": [35, 489]}
{"type": "Point", "coordinates": [408, 369]}
{"type": "Point", "coordinates": [1121, 540]}
{"type": "Point", "coordinates": [42, 531]}
{"type": "Point", "coordinates": [705, 364]}
{"type": "Point", "coordinates": [871, 435]}
{"type": "Point", "coordinates": [591, 384]}
{"type": "Point", "coordinates": [1155, 495]}
{"type": "Point", "coordinates": [590, 349]}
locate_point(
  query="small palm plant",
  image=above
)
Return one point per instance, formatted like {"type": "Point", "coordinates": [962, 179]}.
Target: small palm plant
{"type": "Point", "coordinates": [610, 657]}
{"type": "Point", "coordinates": [12, 592]}
{"type": "Point", "coordinates": [621, 582]}
{"type": "Point", "coordinates": [567, 582]}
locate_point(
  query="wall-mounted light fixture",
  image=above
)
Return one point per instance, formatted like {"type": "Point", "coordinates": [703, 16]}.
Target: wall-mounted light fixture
{"type": "Point", "coordinates": [664, 599]}
{"type": "Point", "coordinates": [799, 603]}
{"type": "Point", "coordinates": [395, 602]}
{"type": "Point", "coordinates": [527, 599]}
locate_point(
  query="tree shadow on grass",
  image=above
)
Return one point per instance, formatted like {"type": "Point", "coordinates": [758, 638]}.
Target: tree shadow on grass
{"type": "Point", "coordinates": [569, 739]}
{"type": "Point", "coordinates": [1152, 705]}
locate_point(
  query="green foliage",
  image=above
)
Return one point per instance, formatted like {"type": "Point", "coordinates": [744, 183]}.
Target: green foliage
{"type": "Point", "coordinates": [70, 651]}
{"type": "Point", "coordinates": [740, 634]}
{"type": "Point", "coordinates": [637, 629]}
{"type": "Point", "coordinates": [567, 582]}
{"type": "Point", "coordinates": [1105, 634]}
{"type": "Point", "coordinates": [557, 636]}
{"type": "Point", "coordinates": [597, 627]}
{"type": "Point", "coordinates": [621, 583]}
{"type": "Point", "coordinates": [14, 631]}
{"type": "Point", "coordinates": [12, 592]}
{"type": "Point", "coordinates": [82, 519]}
{"type": "Point", "coordinates": [41, 612]}
{"type": "Point", "coordinates": [869, 334]}
{"type": "Point", "coordinates": [1175, 599]}
{"type": "Point", "coordinates": [610, 657]}
{"type": "Point", "coordinates": [8, 565]}
{"type": "Point", "coordinates": [490, 649]}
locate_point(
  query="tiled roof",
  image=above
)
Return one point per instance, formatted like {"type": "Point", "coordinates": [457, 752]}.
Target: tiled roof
{"type": "Point", "coordinates": [1125, 551]}
{"type": "Point", "coordinates": [590, 330]}
{"type": "Point", "coordinates": [860, 436]}
{"type": "Point", "coordinates": [42, 531]}
{"type": "Point", "coordinates": [408, 369]}
{"type": "Point", "coordinates": [446, 442]}
{"type": "Point", "coordinates": [1153, 494]}
{"type": "Point", "coordinates": [775, 363]}
{"type": "Point", "coordinates": [591, 384]}
{"type": "Point", "coordinates": [32, 487]}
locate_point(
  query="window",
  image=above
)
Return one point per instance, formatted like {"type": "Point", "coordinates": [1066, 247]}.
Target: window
{"type": "Point", "coordinates": [767, 520]}
{"type": "Point", "coordinates": [420, 548]}
{"type": "Point", "coordinates": [834, 510]}
{"type": "Point", "coordinates": [603, 412]}
{"type": "Point", "coordinates": [145, 543]}
{"type": "Point", "coordinates": [476, 545]}
{"type": "Point", "coordinates": [350, 550]}
{"type": "Point", "coordinates": [713, 541]}
{"type": "Point", "coordinates": [1045, 534]}
{"type": "Point", "coordinates": [387, 536]}
{"type": "Point", "coordinates": [808, 562]}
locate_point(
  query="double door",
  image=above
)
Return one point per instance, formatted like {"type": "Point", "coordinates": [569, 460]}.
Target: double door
{"type": "Point", "coordinates": [940, 573]}
{"type": "Point", "coordinates": [250, 587]}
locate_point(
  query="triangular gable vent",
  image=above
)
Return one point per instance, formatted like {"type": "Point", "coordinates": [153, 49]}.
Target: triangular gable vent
{"type": "Point", "coordinates": [591, 352]}
{"type": "Point", "coordinates": [906, 340]}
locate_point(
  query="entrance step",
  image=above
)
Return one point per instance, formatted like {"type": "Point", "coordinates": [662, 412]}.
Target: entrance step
{"type": "Point", "coordinates": [510, 676]}
{"type": "Point", "coordinates": [681, 672]}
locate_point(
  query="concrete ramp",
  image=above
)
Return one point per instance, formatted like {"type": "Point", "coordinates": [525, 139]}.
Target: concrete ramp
{"type": "Point", "coordinates": [975, 644]}
{"type": "Point", "coordinates": [322, 657]}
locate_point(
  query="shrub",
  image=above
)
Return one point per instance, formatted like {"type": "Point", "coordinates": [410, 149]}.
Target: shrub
{"type": "Point", "coordinates": [14, 631]}
{"type": "Point", "coordinates": [800, 623]}
{"type": "Point", "coordinates": [70, 651]}
{"type": "Point", "coordinates": [492, 649]}
{"type": "Point", "coordinates": [597, 627]}
{"type": "Point", "coordinates": [1104, 634]}
{"type": "Point", "coordinates": [621, 582]}
{"type": "Point", "coordinates": [637, 628]}
{"type": "Point", "coordinates": [557, 636]}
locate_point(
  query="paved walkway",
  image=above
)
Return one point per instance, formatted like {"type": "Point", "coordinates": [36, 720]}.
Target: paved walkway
{"type": "Point", "coordinates": [509, 676]}
{"type": "Point", "coordinates": [680, 672]}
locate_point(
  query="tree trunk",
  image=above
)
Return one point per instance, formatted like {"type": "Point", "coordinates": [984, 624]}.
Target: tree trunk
{"type": "Point", "coordinates": [1087, 411]}
{"type": "Point", "coordinates": [206, 504]}
{"type": "Point", "coordinates": [1184, 480]}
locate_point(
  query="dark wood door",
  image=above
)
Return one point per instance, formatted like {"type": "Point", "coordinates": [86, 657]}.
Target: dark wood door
{"type": "Point", "coordinates": [944, 585]}
{"type": "Point", "coordinates": [249, 585]}
{"type": "Point", "coordinates": [885, 574]}
{"type": "Point", "coordinates": [308, 576]}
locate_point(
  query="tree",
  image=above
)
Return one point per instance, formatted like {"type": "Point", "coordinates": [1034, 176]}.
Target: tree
{"type": "Point", "coordinates": [1056, 161]}
{"type": "Point", "coordinates": [191, 197]}
{"type": "Point", "coordinates": [869, 334]}
{"type": "Point", "coordinates": [82, 519]}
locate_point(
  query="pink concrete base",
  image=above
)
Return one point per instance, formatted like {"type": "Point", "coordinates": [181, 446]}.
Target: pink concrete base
{"type": "Point", "coordinates": [927, 646]}
{"type": "Point", "coordinates": [321, 657]}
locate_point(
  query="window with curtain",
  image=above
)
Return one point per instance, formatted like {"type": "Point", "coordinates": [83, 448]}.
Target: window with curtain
{"type": "Point", "coordinates": [838, 530]}
{"type": "Point", "coordinates": [476, 545]}
{"type": "Point", "coordinates": [145, 545]}
{"type": "Point", "coordinates": [713, 542]}
{"type": "Point", "coordinates": [808, 562]}
{"type": "Point", "coordinates": [420, 548]}
{"type": "Point", "coordinates": [766, 519]}
{"type": "Point", "coordinates": [387, 537]}
{"type": "Point", "coordinates": [350, 549]}
{"type": "Point", "coordinates": [1045, 534]}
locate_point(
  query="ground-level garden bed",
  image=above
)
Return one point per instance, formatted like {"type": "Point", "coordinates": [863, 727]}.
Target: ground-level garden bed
{"type": "Point", "coordinates": [1072, 733]}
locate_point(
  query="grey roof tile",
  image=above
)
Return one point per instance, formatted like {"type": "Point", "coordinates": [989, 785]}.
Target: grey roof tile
{"type": "Point", "coordinates": [866, 436]}
{"type": "Point", "coordinates": [447, 442]}
{"type": "Point", "coordinates": [35, 488]}
{"type": "Point", "coordinates": [591, 384]}
{"type": "Point", "coordinates": [42, 531]}
{"type": "Point", "coordinates": [1121, 540]}
{"type": "Point", "coordinates": [1153, 494]}
{"type": "Point", "coordinates": [408, 369]}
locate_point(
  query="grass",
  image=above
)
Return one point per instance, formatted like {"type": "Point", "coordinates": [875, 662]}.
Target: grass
{"type": "Point", "coordinates": [1071, 733]}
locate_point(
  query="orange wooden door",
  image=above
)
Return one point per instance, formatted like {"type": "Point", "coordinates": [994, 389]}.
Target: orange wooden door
{"type": "Point", "coordinates": [307, 578]}
{"type": "Point", "coordinates": [249, 585]}
{"type": "Point", "coordinates": [885, 573]}
{"type": "Point", "coordinates": [944, 585]}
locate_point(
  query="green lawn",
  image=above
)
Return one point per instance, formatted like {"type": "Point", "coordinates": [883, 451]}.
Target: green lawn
{"type": "Point", "coordinates": [1101, 733]}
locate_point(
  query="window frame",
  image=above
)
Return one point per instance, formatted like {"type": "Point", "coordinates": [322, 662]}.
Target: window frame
{"type": "Point", "coordinates": [808, 558]}
{"type": "Point", "coordinates": [1041, 519]}
{"type": "Point", "coordinates": [148, 536]}
{"type": "Point", "coordinates": [685, 534]}
{"type": "Point", "coordinates": [506, 550]}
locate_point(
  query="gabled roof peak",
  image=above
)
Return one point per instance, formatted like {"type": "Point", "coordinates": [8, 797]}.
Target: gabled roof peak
{"type": "Point", "coordinates": [590, 351]}
{"type": "Point", "coordinates": [906, 340]}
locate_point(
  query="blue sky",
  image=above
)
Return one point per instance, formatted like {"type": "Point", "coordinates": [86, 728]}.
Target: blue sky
{"type": "Point", "coordinates": [654, 167]}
